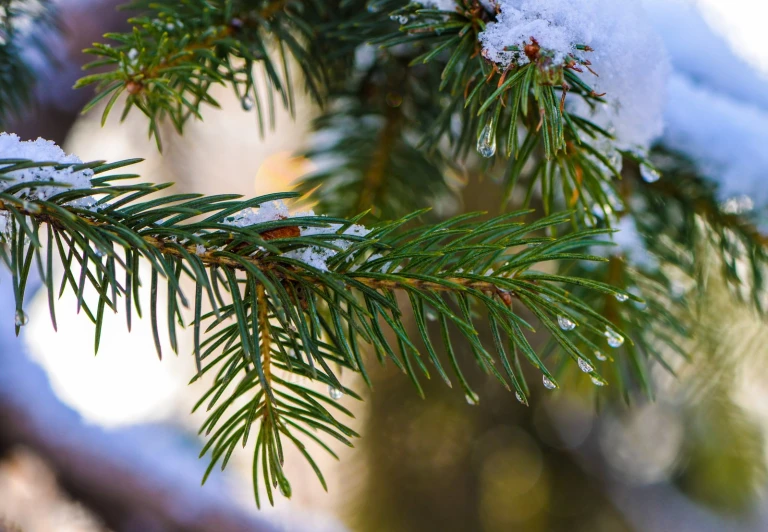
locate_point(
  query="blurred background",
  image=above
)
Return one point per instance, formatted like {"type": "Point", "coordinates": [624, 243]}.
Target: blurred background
{"type": "Point", "coordinates": [108, 443]}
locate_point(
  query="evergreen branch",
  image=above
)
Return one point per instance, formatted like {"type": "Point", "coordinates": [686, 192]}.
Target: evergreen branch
{"type": "Point", "coordinates": [366, 145]}
{"type": "Point", "coordinates": [298, 296]}
{"type": "Point", "coordinates": [22, 22]}
{"type": "Point", "coordinates": [574, 159]}
{"type": "Point", "coordinates": [178, 50]}
{"type": "Point", "coordinates": [493, 102]}
{"type": "Point", "coordinates": [659, 326]}
{"type": "Point", "coordinates": [685, 208]}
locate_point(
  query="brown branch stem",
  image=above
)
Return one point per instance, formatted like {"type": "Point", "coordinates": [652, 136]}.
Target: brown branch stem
{"type": "Point", "coordinates": [214, 258]}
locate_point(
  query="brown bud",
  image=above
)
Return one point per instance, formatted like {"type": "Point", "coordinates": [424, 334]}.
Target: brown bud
{"type": "Point", "coordinates": [506, 297]}
{"type": "Point", "coordinates": [133, 87]}
{"type": "Point", "coordinates": [532, 51]}
{"type": "Point", "coordinates": [281, 232]}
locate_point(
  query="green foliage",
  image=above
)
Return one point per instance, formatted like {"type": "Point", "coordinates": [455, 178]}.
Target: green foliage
{"type": "Point", "coordinates": [366, 143]}
{"type": "Point", "coordinates": [179, 50]}
{"type": "Point", "coordinates": [685, 209]}
{"type": "Point", "coordinates": [22, 25]}
{"type": "Point", "coordinates": [407, 96]}
{"type": "Point", "coordinates": [259, 313]}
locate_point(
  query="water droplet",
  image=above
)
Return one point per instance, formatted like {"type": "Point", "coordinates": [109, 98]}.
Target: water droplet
{"type": "Point", "coordinates": [335, 393]}
{"type": "Point", "coordinates": [649, 173]}
{"type": "Point", "coordinates": [472, 398]}
{"type": "Point", "coordinates": [601, 357]}
{"type": "Point", "coordinates": [549, 384]}
{"type": "Point", "coordinates": [98, 251]}
{"type": "Point", "coordinates": [21, 318]}
{"type": "Point", "coordinates": [246, 102]}
{"type": "Point", "coordinates": [565, 324]}
{"type": "Point", "coordinates": [615, 340]}
{"type": "Point", "coordinates": [597, 382]}
{"type": "Point", "coordinates": [585, 366]}
{"type": "Point", "coordinates": [622, 298]}
{"type": "Point", "coordinates": [520, 398]}
{"type": "Point", "coordinates": [486, 144]}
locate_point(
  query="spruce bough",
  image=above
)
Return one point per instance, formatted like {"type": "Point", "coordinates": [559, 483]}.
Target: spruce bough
{"type": "Point", "coordinates": [408, 92]}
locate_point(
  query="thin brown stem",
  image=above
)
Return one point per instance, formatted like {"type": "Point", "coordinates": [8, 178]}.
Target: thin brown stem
{"type": "Point", "coordinates": [214, 258]}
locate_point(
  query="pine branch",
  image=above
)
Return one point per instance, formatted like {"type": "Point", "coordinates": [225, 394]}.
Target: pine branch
{"type": "Point", "coordinates": [179, 50]}
{"type": "Point", "coordinates": [22, 22]}
{"type": "Point", "coordinates": [276, 294]}
{"type": "Point", "coordinates": [685, 208]}
{"type": "Point", "coordinates": [494, 101]}
{"type": "Point", "coordinates": [366, 144]}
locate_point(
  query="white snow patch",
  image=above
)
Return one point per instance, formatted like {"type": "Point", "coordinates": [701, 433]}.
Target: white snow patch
{"type": "Point", "coordinates": [314, 256]}
{"type": "Point", "coordinates": [725, 138]}
{"type": "Point", "coordinates": [700, 52]}
{"type": "Point", "coordinates": [267, 212]}
{"type": "Point", "coordinates": [41, 150]}
{"type": "Point", "coordinates": [628, 56]}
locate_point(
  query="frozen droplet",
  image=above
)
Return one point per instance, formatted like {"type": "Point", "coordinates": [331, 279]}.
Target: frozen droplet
{"type": "Point", "coordinates": [246, 102]}
{"type": "Point", "coordinates": [566, 324]}
{"type": "Point", "coordinates": [600, 356]}
{"type": "Point", "coordinates": [335, 393]}
{"type": "Point", "coordinates": [585, 366]}
{"type": "Point", "coordinates": [472, 398]}
{"type": "Point", "coordinates": [520, 398]}
{"type": "Point", "coordinates": [622, 298]}
{"type": "Point", "coordinates": [649, 173]}
{"type": "Point", "coordinates": [615, 340]}
{"type": "Point", "coordinates": [21, 318]}
{"type": "Point", "coordinates": [597, 382]}
{"type": "Point", "coordinates": [548, 383]}
{"type": "Point", "coordinates": [486, 144]}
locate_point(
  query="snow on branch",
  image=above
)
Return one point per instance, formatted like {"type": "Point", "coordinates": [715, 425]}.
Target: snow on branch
{"type": "Point", "coordinates": [726, 139]}
{"type": "Point", "coordinates": [12, 148]}
{"type": "Point", "coordinates": [612, 37]}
